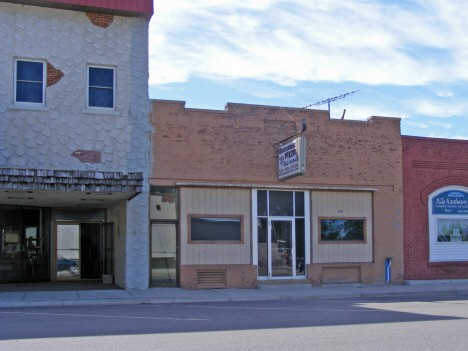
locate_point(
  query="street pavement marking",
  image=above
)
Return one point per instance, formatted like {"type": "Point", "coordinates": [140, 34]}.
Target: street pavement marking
{"type": "Point", "coordinates": [106, 316]}
{"type": "Point", "coordinates": [286, 309]}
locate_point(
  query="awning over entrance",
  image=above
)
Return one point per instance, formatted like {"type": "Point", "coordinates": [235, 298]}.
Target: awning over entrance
{"type": "Point", "coordinates": [51, 188]}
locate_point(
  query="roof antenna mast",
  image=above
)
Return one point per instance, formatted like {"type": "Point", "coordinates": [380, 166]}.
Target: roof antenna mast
{"type": "Point", "coordinates": [342, 96]}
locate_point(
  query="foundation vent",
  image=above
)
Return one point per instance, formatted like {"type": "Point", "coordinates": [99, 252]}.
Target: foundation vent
{"type": "Point", "coordinates": [211, 277]}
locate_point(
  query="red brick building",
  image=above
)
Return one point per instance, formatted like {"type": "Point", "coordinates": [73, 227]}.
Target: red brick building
{"type": "Point", "coordinates": [435, 203]}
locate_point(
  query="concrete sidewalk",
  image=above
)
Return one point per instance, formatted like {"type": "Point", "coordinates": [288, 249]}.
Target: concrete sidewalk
{"type": "Point", "coordinates": [177, 295]}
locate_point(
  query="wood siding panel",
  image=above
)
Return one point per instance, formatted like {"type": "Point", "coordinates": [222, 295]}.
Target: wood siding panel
{"type": "Point", "coordinates": [335, 204]}
{"type": "Point", "coordinates": [212, 201]}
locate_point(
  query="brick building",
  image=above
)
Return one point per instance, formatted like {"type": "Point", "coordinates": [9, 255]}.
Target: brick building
{"type": "Point", "coordinates": [221, 218]}
{"type": "Point", "coordinates": [435, 193]}
{"type": "Point", "coordinates": [74, 140]}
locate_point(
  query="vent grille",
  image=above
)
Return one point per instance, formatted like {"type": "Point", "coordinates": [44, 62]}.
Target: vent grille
{"type": "Point", "coordinates": [211, 277]}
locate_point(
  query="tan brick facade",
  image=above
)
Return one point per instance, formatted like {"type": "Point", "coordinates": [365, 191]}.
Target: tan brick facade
{"type": "Point", "coordinates": [239, 146]}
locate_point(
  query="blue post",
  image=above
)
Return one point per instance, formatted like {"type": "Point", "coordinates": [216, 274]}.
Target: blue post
{"type": "Point", "coordinates": [388, 271]}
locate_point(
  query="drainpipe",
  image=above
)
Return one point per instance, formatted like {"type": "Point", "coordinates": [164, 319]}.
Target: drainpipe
{"type": "Point", "coordinates": [388, 271]}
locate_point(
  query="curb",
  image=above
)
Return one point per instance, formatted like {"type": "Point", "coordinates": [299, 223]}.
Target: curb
{"type": "Point", "coordinates": [298, 294]}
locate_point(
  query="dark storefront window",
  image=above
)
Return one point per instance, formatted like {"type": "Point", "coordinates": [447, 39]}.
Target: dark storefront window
{"type": "Point", "coordinates": [25, 244]}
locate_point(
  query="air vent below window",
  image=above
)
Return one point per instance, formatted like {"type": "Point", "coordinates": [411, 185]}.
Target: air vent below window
{"type": "Point", "coordinates": [211, 277]}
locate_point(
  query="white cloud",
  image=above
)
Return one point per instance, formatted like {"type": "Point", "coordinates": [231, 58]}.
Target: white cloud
{"type": "Point", "coordinates": [420, 125]}
{"type": "Point", "coordinates": [444, 125]}
{"type": "Point", "coordinates": [444, 135]}
{"type": "Point", "coordinates": [444, 93]}
{"type": "Point", "coordinates": [439, 109]}
{"type": "Point", "coordinates": [364, 41]}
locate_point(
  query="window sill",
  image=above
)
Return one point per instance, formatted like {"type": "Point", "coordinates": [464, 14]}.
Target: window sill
{"type": "Point", "coordinates": [28, 107]}
{"type": "Point", "coordinates": [447, 263]}
{"type": "Point", "coordinates": [98, 111]}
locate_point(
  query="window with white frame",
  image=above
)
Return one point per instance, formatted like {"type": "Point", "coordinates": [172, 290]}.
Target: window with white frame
{"type": "Point", "coordinates": [101, 87]}
{"type": "Point", "coordinates": [448, 224]}
{"type": "Point", "coordinates": [281, 233]}
{"type": "Point", "coordinates": [30, 82]}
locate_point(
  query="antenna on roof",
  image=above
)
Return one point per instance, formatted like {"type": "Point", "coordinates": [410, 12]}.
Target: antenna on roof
{"type": "Point", "coordinates": [342, 96]}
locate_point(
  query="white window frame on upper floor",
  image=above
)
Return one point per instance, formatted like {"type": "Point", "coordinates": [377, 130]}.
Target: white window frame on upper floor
{"type": "Point", "coordinates": [100, 108]}
{"type": "Point", "coordinates": [30, 104]}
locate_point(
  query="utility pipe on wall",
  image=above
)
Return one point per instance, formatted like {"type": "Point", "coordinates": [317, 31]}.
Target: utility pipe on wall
{"type": "Point", "coordinates": [388, 271]}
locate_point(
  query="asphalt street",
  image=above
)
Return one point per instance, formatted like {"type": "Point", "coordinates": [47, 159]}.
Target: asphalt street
{"type": "Point", "coordinates": [391, 323]}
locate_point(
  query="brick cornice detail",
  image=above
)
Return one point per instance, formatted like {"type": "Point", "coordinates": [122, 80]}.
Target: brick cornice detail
{"type": "Point", "coordinates": [449, 181]}
{"type": "Point", "coordinates": [53, 75]}
{"type": "Point", "coordinates": [100, 20]}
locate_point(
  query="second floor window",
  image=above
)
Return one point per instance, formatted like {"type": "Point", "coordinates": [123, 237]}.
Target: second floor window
{"type": "Point", "coordinates": [101, 87]}
{"type": "Point", "coordinates": [29, 82]}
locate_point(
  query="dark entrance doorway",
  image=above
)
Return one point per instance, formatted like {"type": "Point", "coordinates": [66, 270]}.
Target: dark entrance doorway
{"type": "Point", "coordinates": [91, 251]}
{"type": "Point", "coordinates": [84, 251]}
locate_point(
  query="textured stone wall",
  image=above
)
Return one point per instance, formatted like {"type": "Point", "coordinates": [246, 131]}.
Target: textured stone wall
{"type": "Point", "coordinates": [429, 164]}
{"type": "Point", "coordinates": [49, 137]}
{"type": "Point", "coordinates": [67, 40]}
{"type": "Point", "coordinates": [117, 214]}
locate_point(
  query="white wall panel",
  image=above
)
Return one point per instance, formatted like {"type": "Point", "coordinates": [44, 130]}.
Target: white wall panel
{"type": "Point", "coordinates": [214, 201]}
{"type": "Point", "coordinates": [336, 204]}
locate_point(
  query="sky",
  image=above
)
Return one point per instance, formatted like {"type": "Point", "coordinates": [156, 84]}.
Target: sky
{"type": "Point", "coordinates": [407, 59]}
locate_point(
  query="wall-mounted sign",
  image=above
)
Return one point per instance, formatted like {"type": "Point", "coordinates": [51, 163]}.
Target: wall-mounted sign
{"type": "Point", "coordinates": [292, 159]}
{"type": "Point", "coordinates": [451, 203]}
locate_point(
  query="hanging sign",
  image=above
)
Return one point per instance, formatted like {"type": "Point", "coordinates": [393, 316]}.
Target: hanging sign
{"type": "Point", "coordinates": [291, 159]}
{"type": "Point", "coordinates": [450, 202]}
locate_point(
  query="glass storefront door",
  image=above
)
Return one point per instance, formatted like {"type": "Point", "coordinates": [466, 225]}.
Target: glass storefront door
{"type": "Point", "coordinates": [84, 248]}
{"type": "Point", "coordinates": [281, 234]}
{"type": "Point", "coordinates": [282, 248]}
{"type": "Point", "coordinates": [164, 214]}
{"type": "Point", "coordinates": [68, 251]}
{"type": "Point", "coordinates": [84, 251]}
{"type": "Point", "coordinates": [163, 254]}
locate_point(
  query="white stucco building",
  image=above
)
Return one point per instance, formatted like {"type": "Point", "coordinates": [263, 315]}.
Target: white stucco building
{"type": "Point", "coordinates": [74, 141]}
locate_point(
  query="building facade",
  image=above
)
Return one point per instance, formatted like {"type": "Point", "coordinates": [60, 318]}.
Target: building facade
{"type": "Point", "coordinates": [74, 141]}
{"type": "Point", "coordinates": [435, 190]}
{"type": "Point", "coordinates": [220, 218]}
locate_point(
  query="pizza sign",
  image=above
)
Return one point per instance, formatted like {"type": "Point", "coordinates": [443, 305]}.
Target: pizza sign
{"type": "Point", "coordinates": [291, 159]}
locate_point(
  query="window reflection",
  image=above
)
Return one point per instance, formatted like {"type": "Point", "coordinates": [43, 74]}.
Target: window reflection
{"type": "Point", "coordinates": [281, 203]}
{"type": "Point", "coordinates": [163, 254]}
{"type": "Point", "coordinates": [163, 203]}
{"type": "Point", "coordinates": [262, 247]}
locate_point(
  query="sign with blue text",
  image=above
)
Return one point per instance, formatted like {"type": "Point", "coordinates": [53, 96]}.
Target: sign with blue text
{"type": "Point", "coordinates": [291, 159]}
{"type": "Point", "coordinates": [452, 202]}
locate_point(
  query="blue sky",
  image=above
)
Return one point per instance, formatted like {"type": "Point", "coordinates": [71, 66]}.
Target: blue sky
{"type": "Point", "coordinates": [408, 59]}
